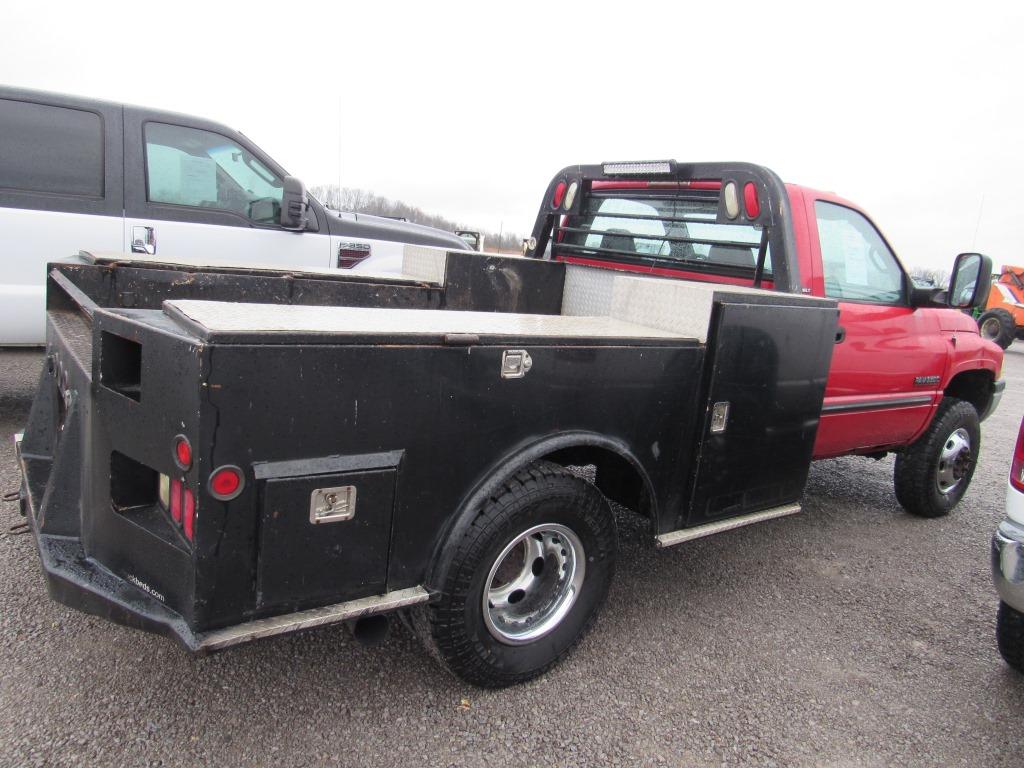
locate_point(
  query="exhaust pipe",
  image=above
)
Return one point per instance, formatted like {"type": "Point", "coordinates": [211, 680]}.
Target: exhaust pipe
{"type": "Point", "coordinates": [370, 630]}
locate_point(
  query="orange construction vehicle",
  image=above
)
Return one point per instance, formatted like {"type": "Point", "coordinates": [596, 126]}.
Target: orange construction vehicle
{"type": "Point", "coordinates": [1003, 318]}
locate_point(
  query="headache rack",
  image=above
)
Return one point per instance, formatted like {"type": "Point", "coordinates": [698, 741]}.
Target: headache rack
{"type": "Point", "coordinates": [723, 219]}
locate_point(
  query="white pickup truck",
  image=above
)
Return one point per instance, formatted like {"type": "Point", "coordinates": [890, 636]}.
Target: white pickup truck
{"type": "Point", "coordinates": [80, 173]}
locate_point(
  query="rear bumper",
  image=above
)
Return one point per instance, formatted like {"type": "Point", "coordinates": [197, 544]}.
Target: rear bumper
{"type": "Point", "coordinates": [78, 581]}
{"type": "Point", "coordinates": [998, 387]}
{"type": "Point", "coordinates": [74, 579]}
{"type": "Point", "coordinates": [1008, 563]}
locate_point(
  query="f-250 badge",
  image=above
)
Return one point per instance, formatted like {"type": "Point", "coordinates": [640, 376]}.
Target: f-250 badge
{"type": "Point", "coordinates": [924, 381]}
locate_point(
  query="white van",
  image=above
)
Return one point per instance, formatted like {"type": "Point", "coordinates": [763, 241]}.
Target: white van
{"type": "Point", "coordinates": [80, 174]}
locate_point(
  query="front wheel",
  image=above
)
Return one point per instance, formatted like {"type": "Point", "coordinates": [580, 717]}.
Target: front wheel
{"type": "Point", "coordinates": [526, 579]}
{"type": "Point", "coordinates": [933, 473]}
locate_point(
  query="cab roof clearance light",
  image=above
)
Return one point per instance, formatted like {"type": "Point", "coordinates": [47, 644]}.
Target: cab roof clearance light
{"type": "Point", "coordinates": [635, 169]}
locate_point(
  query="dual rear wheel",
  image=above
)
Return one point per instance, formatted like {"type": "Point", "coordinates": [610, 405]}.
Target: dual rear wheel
{"type": "Point", "coordinates": [526, 579]}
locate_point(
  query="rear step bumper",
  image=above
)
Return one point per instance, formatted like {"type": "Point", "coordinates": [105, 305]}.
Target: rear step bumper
{"type": "Point", "coordinates": [81, 583]}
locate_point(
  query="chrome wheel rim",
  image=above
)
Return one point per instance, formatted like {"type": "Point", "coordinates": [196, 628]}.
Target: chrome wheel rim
{"type": "Point", "coordinates": [990, 329]}
{"type": "Point", "coordinates": [533, 583]}
{"type": "Point", "coordinates": [954, 461]}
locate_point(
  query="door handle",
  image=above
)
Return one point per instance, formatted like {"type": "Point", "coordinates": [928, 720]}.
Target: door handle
{"type": "Point", "coordinates": [840, 334]}
{"type": "Point", "coordinates": [143, 240]}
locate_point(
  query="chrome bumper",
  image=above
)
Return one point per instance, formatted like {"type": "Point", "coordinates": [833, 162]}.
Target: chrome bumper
{"type": "Point", "coordinates": [1008, 563]}
{"type": "Point", "coordinates": [997, 394]}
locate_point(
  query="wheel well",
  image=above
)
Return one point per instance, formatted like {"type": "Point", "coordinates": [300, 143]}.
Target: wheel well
{"type": "Point", "coordinates": [973, 386]}
{"type": "Point", "coordinates": [613, 475]}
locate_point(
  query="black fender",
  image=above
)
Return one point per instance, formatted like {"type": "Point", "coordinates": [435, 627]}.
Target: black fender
{"type": "Point", "coordinates": [505, 468]}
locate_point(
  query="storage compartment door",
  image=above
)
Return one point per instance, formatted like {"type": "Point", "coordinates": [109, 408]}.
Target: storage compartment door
{"type": "Point", "coordinates": [324, 538]}
{"type": "Point", "coordinates": [768, 370]}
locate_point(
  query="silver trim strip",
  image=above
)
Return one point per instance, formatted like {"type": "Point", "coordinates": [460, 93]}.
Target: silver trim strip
{"type": "Point", "coordinates": [314, 617]}
{"type": "Point", "coordinates": [877, 404]}
{"type": "Point", "coordinates": [721, 526]}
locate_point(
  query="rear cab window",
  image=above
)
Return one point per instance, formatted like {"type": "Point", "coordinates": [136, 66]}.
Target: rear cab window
{"type": "Point", "coordinates": [665, 226]}
{"type": "Point", "coordinates": [51, 150]}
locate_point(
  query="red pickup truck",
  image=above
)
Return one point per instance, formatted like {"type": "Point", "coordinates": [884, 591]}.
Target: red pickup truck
{"type": "Point", "coordinates": [910, 374]}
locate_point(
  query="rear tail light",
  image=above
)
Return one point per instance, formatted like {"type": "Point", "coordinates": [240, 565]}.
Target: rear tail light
{"type": "Point", "coordinates": [176, 501]}
{"type": "Point", "coordinates": [190, 514]}
{"type": "Point", "coordinates": [180, 503]}
{"type": "Point", "coordinates": [226, 482]}
{"type": "Point", "coordinates": [182, 452]}
{"type": "Point", "coordinates": [350, 254]}
{"type": "Point", "coordinates": [1017, 469]}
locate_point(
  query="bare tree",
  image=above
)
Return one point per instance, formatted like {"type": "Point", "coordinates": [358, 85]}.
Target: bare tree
{"type": "Point", "coordinates": [365, 201]}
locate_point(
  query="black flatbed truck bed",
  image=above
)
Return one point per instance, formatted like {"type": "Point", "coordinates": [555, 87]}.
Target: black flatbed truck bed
{"type": "Point", "coordinates": [428, 404]}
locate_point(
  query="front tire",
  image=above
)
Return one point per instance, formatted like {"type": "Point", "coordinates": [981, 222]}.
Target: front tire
{"type": "Point", "coordinates": [526, 580]}
{"type": "Point", "coordinates": [933, 473]}
{"type": "Point", "coordinates": [998, 325]}
{"type": "Point", "coordinates": [1010, 636]}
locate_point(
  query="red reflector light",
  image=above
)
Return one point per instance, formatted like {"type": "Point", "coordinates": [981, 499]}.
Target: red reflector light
{"type": "Point", "coordinates": [182, 452]}
{"type": "Point", "coordinates": [176, 501]}
{"type": "Point", "coordinates": [556, 199]}
{"type": "Point", "coordinates": [190, 514]}
{"type": "Point", "coordinates": [1017, 469]}
{"type": "Point", "coordinates": [226, 483]}
{"type": "Point", "coordinates": [750, 201]}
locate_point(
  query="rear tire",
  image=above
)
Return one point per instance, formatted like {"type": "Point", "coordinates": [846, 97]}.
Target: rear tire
{"type": "Point", "coordinates": [998, 325]}
{"type": "Point", "coordinates": [933, 473]}
{"type": "Point", "coordinates": [526, 580]}
{"type": "Point", "coordinates": [1010, 636]}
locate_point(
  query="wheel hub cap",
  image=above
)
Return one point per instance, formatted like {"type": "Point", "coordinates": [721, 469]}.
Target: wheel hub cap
{"type": "Point", "coordinates": [533, 583]}
{"type": "Point", "coordinates": [954, 461]}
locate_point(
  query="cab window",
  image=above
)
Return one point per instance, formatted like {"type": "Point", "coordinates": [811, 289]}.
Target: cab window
{"type": "Point", "coordinates": [52, 150]}
{"type": "Point", "coordinates": [857, 263]}
{"type": "Point", "coordinates": [187, 166]}
{"type": "Point", "coordinates": [664, 230]}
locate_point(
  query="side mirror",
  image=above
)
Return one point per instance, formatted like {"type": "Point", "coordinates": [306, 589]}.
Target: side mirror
{"type": "Point", "coordinates": [294, 204]}
{"type": "Point", "coordinates": [970, 282]}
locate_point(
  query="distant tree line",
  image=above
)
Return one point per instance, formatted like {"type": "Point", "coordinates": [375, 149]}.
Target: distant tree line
{"type": "Point", "coordinates": [926, 277]}
{"type": "Point", "coordinates": [364, 201]}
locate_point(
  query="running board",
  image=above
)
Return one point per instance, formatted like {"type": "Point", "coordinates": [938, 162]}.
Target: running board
{"type": "Point", "coordinates": [315, 617]}
{"type": "Point", "coordinates": [720, 526]}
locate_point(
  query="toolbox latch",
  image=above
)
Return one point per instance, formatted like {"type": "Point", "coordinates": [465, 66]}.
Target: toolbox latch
{"type": "Point", "coordinates": [332, 505]}
{"type": "Point", "coordinates": [515, 363]}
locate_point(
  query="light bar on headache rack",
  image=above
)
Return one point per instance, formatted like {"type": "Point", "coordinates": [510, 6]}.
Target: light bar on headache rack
{"type": "Point", "coordinates": [635, 169]}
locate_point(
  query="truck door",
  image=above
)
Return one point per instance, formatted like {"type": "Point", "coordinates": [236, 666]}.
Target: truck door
{"type": "Point", "coordinates": [60, 192]}
{"type": "Point", "coordinates": [889, 358]}
{"type": "Point", "coordinates": [193, 192]}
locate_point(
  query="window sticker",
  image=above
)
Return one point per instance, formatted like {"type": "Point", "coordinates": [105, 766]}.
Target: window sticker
{"type": "Point", "coordinates": [198, 180]}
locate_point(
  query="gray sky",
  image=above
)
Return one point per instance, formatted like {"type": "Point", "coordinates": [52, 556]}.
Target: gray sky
{"type": "Point", "coordinates": [467, 110]}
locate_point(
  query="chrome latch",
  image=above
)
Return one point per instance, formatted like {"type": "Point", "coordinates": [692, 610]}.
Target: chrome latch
{"type": "Point", "coordinates": [515, 363]}
{"type": "Point", "coordinates": [719, 417]}
{"type": "Point", "coordinates": [332, 505]}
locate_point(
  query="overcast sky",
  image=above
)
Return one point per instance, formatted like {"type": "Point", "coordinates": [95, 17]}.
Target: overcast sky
{"type": "Point", "coordinates": [467, 110]}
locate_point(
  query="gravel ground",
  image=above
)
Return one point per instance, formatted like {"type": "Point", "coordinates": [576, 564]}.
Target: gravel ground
{"type": "Point", "coordinates": [849, 635]}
